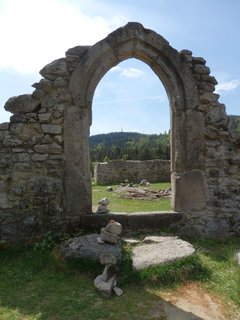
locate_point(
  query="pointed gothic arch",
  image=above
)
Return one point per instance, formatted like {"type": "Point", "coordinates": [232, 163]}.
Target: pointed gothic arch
{"type": "Point", "coordinates": [173, 70]}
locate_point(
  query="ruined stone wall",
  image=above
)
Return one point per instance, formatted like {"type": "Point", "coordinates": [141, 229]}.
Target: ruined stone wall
{"type": "Point", "coordinates": [45, 178]}
{"type": "Point", "coordinates": [32, 164]}
{"type": "Point", "coordinates": [221, 215]}
{"type": "Point", "coordinates": [117, 171]}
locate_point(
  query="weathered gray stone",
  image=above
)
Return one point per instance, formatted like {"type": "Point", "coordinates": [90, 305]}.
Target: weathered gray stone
{"type": "Point", "coordinates": [4, 126]}
{"type": "Point", "coordinates": [107, 258]}
{"type": "Point", "coordinates": [87, 247]}
{"type": "Point", "coordinates": [12, 142]}
{"type": "Point", "coordinates": [209, 97]}
{"type": "Point", "coordinates": [109, 271]}
{"type": "Point", "coordinates": [21, 104]}
{"type": "Point", "coordinates": [4, 202]}
{"type": "Point", "coordinates": [51, 128]}
{"type": "Point", "coordinates": [59, 82]}
{"type": "Point", "coordinates": [44, 85]}
{"type": "Point", "coordinates": [105, 287]}
{"type": "Point", "coordinates": [114, 227]}
{"type": "Point", "coordinates": [158, 239]}
{"type": "Point", "coordinates": [201, 69]}
{"type": "Point", "coordinates": [117, 291]}
{"type": "Point", "coordinates": [44, 117]}
{"type": "Point", "coordinates": [185, 52]}
{"type": "Point", "coordinates": [190, 191]}
{"type": "Point", "coordinates": [55, 69]}
{"type": "Point", "coordinates": [154, 254]}
{"type": "Point", "coordinates": [109, 237]}
{"type": "Point", "coordinates": [102, 206]}
{"type": "Point", "coordinates": [198, 60]}
{"type": "Point", "coordinates": [39, 157]}
{"type": "Point", "coordinates": [217, 228]}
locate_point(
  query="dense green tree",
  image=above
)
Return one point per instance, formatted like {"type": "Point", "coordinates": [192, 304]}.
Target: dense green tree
{"type": "Point", "coordinates": [129, 146]}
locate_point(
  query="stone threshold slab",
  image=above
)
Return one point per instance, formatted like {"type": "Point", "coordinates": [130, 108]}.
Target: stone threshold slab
{"type": "Point", "coordinates": [134, 221]}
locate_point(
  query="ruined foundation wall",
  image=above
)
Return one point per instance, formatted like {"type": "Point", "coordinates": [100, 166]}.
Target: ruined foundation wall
{"type": "Point", "coordinates": [117, 171]}
{"type": "Point", "coordinates": [32, 197]}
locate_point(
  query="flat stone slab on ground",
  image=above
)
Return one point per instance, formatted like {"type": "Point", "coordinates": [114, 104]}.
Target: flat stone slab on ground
{"type": "Point", "coordinates": [87, 247]}
{"type": "Point", "coordinates": [156, 253]}
{"type": "Point", "coordinates": [158, 239]}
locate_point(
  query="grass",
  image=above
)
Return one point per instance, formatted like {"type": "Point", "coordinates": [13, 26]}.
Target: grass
{"type": "Point", "coordinates": [219, 257]}
{"type": "Point", "coordinates": [37, 283]}
{"type": "Point", "coordinates": [119, 204]}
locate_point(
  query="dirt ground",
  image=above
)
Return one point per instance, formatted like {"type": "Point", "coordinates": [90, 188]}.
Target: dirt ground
{"type": "Point", "coordinates": [192, 302]}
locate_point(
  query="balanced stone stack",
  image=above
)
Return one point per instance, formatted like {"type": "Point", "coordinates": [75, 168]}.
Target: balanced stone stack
{"type": "Point", "coordinates": [106, 282]}
{"type": "Point", "coordinates": [110, 233]}
{"type": "Point", "coordinates": [102, 206]}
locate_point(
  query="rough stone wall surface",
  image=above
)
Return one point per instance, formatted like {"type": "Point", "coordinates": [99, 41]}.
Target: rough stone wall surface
{"type": "Point", "coordinates": [221, 216]}
{"type": "Point", "coordinates": [45, 177]}
{"type": "Point", "coordinates": [117, 171]}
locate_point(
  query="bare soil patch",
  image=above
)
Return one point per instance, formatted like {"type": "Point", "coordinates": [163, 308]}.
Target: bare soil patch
{"type": "Point", "coordinates": [193, 302]}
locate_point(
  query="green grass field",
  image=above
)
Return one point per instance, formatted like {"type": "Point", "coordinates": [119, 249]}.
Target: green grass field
{"type": "Point", "coordinates": [36, 283]}
{"type": "Point", "coordinates": [119, 204]}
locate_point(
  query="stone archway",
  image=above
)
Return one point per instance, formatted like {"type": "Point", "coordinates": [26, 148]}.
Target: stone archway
{"type": "Point", "coordinates": [45, 178]}
{"type": "Point", "coordinates": [134, 41]}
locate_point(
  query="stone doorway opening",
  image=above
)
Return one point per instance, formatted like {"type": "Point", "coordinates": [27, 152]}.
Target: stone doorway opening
{"type": "Point", "coordinates": [130, 100]}
{"type": "Point", "coordinates": [187, 147]}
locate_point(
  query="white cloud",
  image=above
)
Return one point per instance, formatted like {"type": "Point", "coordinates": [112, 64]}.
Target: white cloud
{"type": "Point", "coordinates": [33, 33]}
{"type": "Point", "coordinates": [132, 73]}
{"type": "Point", "coordinates": [227, 86]}
{"type": "Point", "coordinates": [116, 69]}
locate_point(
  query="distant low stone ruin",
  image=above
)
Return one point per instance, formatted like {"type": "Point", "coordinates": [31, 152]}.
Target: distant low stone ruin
{"type": "Point", "coordinates": [116, 171]}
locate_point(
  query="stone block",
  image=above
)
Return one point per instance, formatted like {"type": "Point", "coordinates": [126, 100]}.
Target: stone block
{"type": "Point", "coordinates": [109, 271]}
{"type": "Point", "coordinates": [87, 247]}
{"type": "Point", "coordinates": [114, 227]}
{"type": "Point", "coordinates": [39, 157]}
{"type": "Point", "coordinates": [154, 254]}
{"type": "Point", "coordinates": [105, 287]}
{"type": "Point", "coordinates": [217, 228]}
{"type": "Point", "coordinates": [55, 69]}
{"type": "Point", "coordinates": [51, 128]}
{"type": "Point", "coordinates": [4, 126]}
{"type": "Point", "coordinates": [21, 104]}
{"type": "Point", "coordinates": [107, 258]}
{"type": "Point", "coordinates": [109, 237]}
{"type": "Point", "coordinates": [188, 191]}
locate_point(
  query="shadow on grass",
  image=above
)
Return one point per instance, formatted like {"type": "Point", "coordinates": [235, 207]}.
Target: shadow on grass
{"type": "Point", "coordinates": [38, 285]}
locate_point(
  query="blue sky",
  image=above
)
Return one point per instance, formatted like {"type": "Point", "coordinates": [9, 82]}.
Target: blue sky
{"type": "Point", "coordinates": [129, 97]}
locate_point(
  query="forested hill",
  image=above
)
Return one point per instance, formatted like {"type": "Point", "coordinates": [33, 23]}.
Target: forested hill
{"type": "Point", "coordinates": [129, 146]}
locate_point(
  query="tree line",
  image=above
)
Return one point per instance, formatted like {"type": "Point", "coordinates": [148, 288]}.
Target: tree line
{"type": "Point", "coordinates": [129, 146]}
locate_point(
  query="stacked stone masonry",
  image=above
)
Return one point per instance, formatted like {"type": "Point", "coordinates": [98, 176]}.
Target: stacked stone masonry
{"type": "Point", "coordinates": [45, 177]}
{"type": "Point", "coordinates": [117, 171]}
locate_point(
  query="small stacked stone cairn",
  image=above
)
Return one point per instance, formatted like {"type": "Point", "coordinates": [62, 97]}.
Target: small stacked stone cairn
{"type": "Point", "coordinates": [110, 233]}
{"type": "Point", "coordinates": [102, 206]}
{"type": "Point", "coordinates": [106, 282]}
